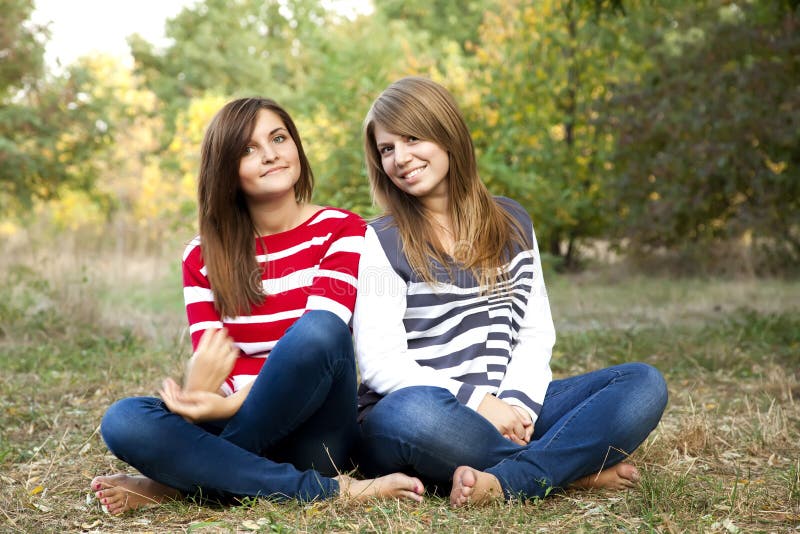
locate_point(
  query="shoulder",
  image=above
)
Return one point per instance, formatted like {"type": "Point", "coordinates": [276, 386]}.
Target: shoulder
{"type": "Point", "coordinates": [192, 254]}
{"type": "Point", "coordinates": [384, 226]}
{"type": "Point", "coordinates": [514, 208]}
{"type": "Point", "coordinates": [328, 217]}
{"type": "Point", "coordinates": [385, 229]}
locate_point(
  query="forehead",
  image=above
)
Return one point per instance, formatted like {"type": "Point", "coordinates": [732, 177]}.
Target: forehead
{"type": "Point", "coordinates": [382, 135]}
{"type": "Point", "coordinates": [267, 121]}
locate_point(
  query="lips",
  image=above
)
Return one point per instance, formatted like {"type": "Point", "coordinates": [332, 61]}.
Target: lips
{"type": "Point", "coordinates": [273, 170]}
{"type": "Point", "coordinates": [413, 173]}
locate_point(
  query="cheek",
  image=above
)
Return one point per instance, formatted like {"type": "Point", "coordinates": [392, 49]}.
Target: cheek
{"type": "Point", "coordinates": [388, 167]}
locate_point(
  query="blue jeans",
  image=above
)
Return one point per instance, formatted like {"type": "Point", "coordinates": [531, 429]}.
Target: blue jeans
{"type": "Point", "coordinates": [300, 413]}
{"type": "Point", "coordinates": [587, 423]}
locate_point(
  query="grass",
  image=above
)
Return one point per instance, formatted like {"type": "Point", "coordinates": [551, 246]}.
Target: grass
{"type": "Point", "coordinates": [726, 457]}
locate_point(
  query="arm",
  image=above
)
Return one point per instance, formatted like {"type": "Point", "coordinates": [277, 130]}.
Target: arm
{"type": "Point", "coordinates": [207, 369]}
{"type": "Point", "coordinates": [528, 373]}
{"type": "Point", "coordinates": [335, 284]}
{"type": "Point", "coordinates": [380, 336]}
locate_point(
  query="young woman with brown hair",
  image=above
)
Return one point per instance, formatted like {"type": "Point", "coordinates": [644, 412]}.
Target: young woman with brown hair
{"type": "Point", "coordinates": [268, 404]}
{"type": "Point", "coordinates": [453, 330]}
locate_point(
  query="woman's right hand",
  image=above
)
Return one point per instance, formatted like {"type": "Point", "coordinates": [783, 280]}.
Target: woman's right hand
{"type": "Point", "coordinates": [195, 406]}
{"type": "Point", "coordinates": [505, 419]}
{"type": "Point", "coordinates": [212, 362]}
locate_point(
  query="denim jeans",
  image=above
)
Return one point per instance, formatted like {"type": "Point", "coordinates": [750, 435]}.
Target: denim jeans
{"type": "Point", "coordinates": [587, 423]}
{"type": "Point", "coordinates": [296, 425]}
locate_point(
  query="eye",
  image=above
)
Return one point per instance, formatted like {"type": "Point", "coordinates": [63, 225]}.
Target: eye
{"type": "Point", "coordinates": [280, 138]}
{"type": "Point", "coordinates": [248, 150]}
{"type": "Point", "coordinates": [385, 149]}
{"type": "Point", "coordinates": [412, 139]}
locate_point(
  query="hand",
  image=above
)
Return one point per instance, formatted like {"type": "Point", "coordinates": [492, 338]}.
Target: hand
{"type": "Point", "coordinates": [525, 417]}
{"type": "Point", "coordinates": [505, 419]}
{"type": "Point", "coordinates": [196, 406]}
{"type": "Point", "coordinates": [212, 362]}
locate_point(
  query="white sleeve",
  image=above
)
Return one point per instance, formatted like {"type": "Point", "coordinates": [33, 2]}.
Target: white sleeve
{"type": "Point", "coordinates": [528, 373]}
{"type": "Point", "coordinates": [380, 336]}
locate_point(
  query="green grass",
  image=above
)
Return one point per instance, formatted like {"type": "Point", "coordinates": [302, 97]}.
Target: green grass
{"type": "Point", "coordinates": [724, 459]}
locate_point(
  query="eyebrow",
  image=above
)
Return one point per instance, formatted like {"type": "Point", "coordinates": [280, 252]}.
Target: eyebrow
{"type": "Point", "coordinates": [279, 128]}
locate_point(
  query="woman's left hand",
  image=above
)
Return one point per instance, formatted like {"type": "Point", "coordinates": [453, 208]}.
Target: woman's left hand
{"type": "Point", "coordinates": [526, 420]}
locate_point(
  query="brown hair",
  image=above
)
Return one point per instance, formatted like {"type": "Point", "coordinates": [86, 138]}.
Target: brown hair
{"type": "Point", "coordinates": [227, 232]}
{"type": "Point", "coordinates": [484, 232]}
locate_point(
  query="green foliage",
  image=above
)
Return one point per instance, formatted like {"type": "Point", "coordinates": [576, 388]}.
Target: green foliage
{"type": "Point", "coordinates": [670, 124]}
{"type": "Point", "coordinates": [709, 141]}
{"type": "Point", "coordinates": [241, 48]}
{"type": "Point", "coordinates": [21, 47]}
{"type": "Point", "coordinates": [535, 118]}
{"type": "Point", "coordinates": [51, 127]}
{"type": "Point", "coordinates": [453, 20]}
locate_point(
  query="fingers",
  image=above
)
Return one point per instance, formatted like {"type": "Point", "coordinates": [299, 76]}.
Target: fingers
{"type": "Point", "coordinates": [206, 339]}
{"type": "Point", "coordinates": [216, 341]}
{"type": "Point", "coordinates": [528, 433]}
{"type": "Point", "coordinates": [518, 441]}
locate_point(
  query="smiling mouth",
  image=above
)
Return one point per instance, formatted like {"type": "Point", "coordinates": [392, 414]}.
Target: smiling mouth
{"type": "Point", "coordinates": [413, 173]}
{"type": "Point", "coordinates": [273, 171]}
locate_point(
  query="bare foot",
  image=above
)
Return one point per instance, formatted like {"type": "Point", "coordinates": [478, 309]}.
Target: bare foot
{"type": "Point", "coordinates": [618, 477]}
{"type": "Point", "coordinates": [471, 486]}
{"type": "Point", "coordinates": [396, 485]}
{"type": "Point", "coordinates": [119, 493]}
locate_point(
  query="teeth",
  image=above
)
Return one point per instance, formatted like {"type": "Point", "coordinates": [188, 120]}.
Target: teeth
{"type": "Point", "coordinates": [415, 172]}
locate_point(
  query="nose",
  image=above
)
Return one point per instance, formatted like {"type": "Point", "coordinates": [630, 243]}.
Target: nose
{"type": "Point", "coordinates": [268, 154]}
{"type": "Point", "coordinates": [401, 154]}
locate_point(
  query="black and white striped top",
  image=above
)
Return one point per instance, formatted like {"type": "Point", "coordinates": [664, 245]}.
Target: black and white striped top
{"type": "Point", "coordinates": [410, 333]}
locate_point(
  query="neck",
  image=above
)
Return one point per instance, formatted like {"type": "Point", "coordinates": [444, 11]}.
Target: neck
{"type": "Point", "coordinates": [438, 210]}
{"type": "Point", "coordinates": [437, 207]}
{"type": "Point", "coordinates": [275, 216]}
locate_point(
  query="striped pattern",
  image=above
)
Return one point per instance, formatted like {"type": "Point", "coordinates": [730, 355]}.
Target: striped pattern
{"type": "Point", "coordinates": [454, 336]}
{"type": "Point", "coordinates": [311, 267]}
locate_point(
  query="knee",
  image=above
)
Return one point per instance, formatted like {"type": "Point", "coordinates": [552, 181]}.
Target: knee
{"type": "Point", "coordinates": [409, 414]}
{"type": "Point", "coordinates": [322, 331]}
{"type": "Point", "coordinates": [650, 388]}
{"type": "Point", "coordinates": [125, 426]}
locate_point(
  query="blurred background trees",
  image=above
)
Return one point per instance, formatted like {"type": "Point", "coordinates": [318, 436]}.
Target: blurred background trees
{"type": "Point", "coordinates": [663, 129]}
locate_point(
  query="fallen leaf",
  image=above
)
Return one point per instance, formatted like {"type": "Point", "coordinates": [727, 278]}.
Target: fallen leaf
{"type": "Point", "coordinates": [250, 525]}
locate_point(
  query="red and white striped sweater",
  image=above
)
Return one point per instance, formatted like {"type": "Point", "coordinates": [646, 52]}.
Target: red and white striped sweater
{"type": "Point", "coordinates": [311, 267]}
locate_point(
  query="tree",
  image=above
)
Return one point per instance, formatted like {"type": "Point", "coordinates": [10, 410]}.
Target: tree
{"type": "Point", "coordinates": [50, 126]}
{"type": "Point", "coordinates": [543, 72]}
{"type": "Point", "coordinates": [452, 20]}
{"type": "Point", "coordinates": [709, 142]}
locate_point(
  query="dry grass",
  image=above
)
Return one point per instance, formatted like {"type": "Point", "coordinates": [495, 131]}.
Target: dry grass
{"type": "Point", "coordinates": [104, 325]}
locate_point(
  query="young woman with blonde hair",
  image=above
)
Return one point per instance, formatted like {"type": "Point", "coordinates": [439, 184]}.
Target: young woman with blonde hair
{"type": "Point", "coordinates": [453, 330]}
{"type": "Point", "coordinates": [268, 405]}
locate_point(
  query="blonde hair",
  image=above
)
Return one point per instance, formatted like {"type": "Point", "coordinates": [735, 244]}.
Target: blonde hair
{"type": "Point", "coordinates": [227, 232]}
{"type": "Point", "coordinates": [485, 233]}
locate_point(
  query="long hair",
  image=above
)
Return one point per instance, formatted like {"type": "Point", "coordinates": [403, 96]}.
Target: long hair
{"type": "Point", "coordinates": [227, 232]}
{"type": "Point", "coordinates": [484, 233]}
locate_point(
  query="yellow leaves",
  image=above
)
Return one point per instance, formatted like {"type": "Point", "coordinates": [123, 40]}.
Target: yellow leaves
{"type": "Point", "coordinates": [654, 196]}
{"type": "Point", "coordinates": [747, 238]}
{"type": "Point", "coordinates": [491, 117]}
{"type": "Point", "coordinates": [557, 132]}
{"type": "Point", "coordinates": [8, 228]}
{"type": "Point", "coordinates": [776, 167]}
{"type": "Point", "coordinates": [163, 196]}
{"type": "Point", "coordinates": [71, 210]}
{"type": "Point", "coordinates": [36, 490]}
